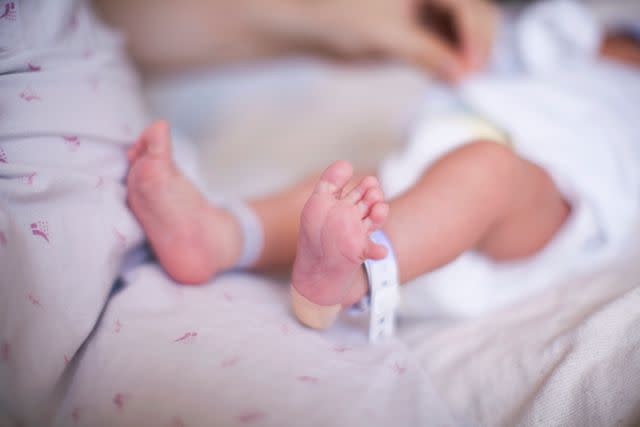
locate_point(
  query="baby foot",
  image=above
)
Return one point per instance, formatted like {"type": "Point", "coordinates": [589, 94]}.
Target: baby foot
{"type": "Point", "coordinates": [334, 235]}
{"type": "Point", "coordinates": [191, 239]}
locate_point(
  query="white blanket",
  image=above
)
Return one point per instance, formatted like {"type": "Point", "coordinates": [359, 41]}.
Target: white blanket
{"type": "Point", "coordinates": [231, 353]}
{"type": "Point", "coordinates": [564, 109]}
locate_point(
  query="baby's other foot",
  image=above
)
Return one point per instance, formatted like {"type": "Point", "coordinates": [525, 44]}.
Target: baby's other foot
{"type": "Point", "coordinates": [191, 239]}
{"type": "Point", "coordinates": [334, 235]}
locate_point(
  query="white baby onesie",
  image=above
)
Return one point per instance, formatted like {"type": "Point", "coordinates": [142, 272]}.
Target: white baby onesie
{"type": "Point", "coordinates": [563, 109]}
{"type": "Point", "coordinates": [69, 106]}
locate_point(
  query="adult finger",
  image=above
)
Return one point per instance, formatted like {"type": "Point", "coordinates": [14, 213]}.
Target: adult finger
{"type": "Point", "coordinates": [467, 27]}
{"type": "Point", "coordinates": [493, 17]}
{"type": "Point", "coordinates": [473, 23]}
{"type": "Point", "coordinates": [483, 32]}
{"type": "Point", "coordinates": [427, 50]}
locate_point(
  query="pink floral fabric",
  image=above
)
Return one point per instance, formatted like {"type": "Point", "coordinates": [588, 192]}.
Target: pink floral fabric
{"type": "Point", "coordinates": [69, 105]}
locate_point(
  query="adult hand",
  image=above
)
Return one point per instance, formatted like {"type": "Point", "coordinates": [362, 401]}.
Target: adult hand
{"type": "Point", "coordinates": [449, 38]}
{"type": "Point", "coordinates": [175, 34]}
{"type": "Point", "coordinates": [474, 23]}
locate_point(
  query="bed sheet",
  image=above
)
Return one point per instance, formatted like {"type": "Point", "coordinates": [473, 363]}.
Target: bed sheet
{"type": "Point", "coordinates": [231, 353]}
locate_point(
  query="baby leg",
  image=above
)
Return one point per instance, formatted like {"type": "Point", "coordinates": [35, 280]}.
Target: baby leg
{"type": "Point", "coordinates": [481, 196]}
{"type": "Point", "coordinates": [192, 239]}
{"type": "Point", "coordinates": [333, 242]}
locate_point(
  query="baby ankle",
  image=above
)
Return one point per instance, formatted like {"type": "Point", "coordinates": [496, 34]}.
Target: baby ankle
{"type": "Point", "coordinates": [246, 235]}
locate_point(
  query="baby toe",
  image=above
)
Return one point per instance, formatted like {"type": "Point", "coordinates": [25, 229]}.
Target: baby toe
{"type": "Point", "coordinates": [334, 178]}
{"type": "Point", "coordinates": [355, 195]}
{"type": "Point", "coordinates": [371, 197]}
{"type": "Point", "coordinates": [377, 216]}
{"type": "Point", "coordinates": [375, 251]}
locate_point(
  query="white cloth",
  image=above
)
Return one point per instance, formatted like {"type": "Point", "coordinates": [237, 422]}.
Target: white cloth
{"type": "Point", "coordinates": [69, 105]}
{"type": "Point", "coordinates": [231, 353]}
{"type": "Point", "coordinates": [61, 66]}
{"type": "Point", "coordinates": [565, 110]}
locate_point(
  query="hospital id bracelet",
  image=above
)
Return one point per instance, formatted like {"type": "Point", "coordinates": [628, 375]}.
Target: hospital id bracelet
{"type": "Point", "coordinates": [383, 294]}
{"type": "Point", "coordinates": [252, 232]}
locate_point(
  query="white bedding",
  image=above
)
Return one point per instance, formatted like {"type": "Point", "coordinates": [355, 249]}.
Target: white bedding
{"type": "Point", "coordinates": [231, 353]}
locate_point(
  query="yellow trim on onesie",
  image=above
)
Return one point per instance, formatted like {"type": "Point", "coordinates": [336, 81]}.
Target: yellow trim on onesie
{"type": "Point", "coordinates": [478, 128]}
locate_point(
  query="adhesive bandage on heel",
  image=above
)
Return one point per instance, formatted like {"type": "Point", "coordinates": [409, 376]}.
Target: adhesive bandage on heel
{"type": "Point", "coordinates": [381, 300]}
{"type": "Point", "coordinates": [311, 314]}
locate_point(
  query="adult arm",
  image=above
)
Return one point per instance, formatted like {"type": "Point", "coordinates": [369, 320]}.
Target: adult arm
{"type": "Point", "coordinates": [177, 34]}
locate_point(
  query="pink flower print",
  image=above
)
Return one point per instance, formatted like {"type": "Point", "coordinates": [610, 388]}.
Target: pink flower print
{"type": "Point", "coordinates": [308, 379]}
{"type": "Point", "coordinates": [122, 239]}
{"type": "Point", "coordinates": [41, 229]}
{"type": "Point", "coordinates": [126, 128]}
{"type": "Point", "coordinates": [72, 141]}
{"type": "Point", "coordinates": [9, 11]}
{"type": "Point", "coordinates": [250, 417]}
{"type": "Point", "coordinates": [66, 359]}
{"type": "Point", "coordinates": [94, 83]}
{"type": "Point", "coordinates": [119, 400]}
{"type": "Point", "coordinates": [35, 301]}
{"type": "Point", "coordinates": [75, 415]}
{"type": "Point", "coordinates": [99, 182]}
{"type": "Point", "coordinates": [284, 329]}
{"type": "Point", "coordinates": [88, 53]}
{"type": "Point", "coordinates": [341, 349]}
{"type": "Point", "coordinates": [399, 369]}
{"type": "Point", "coordinates": [5, 351]}
{"type": "Point", "coordinates": [228, 296]}
{"type": "Point", "coordinates": [29, 178]}
{"type": "Point", "coordinates": [3, 156]}
{"type": "Point", "coordinates": [118, 327]}
{"type": "Point", "coordinates": [177, 422]}
{"type": "Point", "coordinates": [228, 363]}
{"type": "Point", "coordinates": [3, 239]}
{"type": "Point", "coordinates": [188, 337]}
{"type": "Point", "coordinates": [29, 95]}
{"type": "Point", "coordinates": [34, 68]}
{"type": "Point", "coordinates": [73, 21]}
